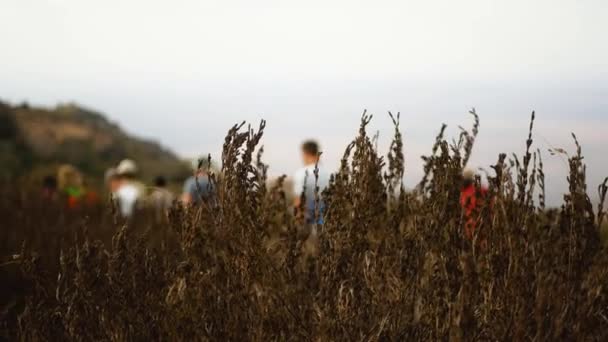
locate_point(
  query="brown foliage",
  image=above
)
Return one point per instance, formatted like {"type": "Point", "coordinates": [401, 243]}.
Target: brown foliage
{"type": "Point", "coordinates": [387, 264]}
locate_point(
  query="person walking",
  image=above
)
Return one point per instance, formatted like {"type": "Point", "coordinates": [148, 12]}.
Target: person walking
{"type": "Point", "coordinates": [112, 181]}
{"type": "Point", "coordinates": [305, 182]}
{"type": "Point", "coordinates": [472, 199]}
{"type": "Point", "coordinates": [129, 191]}
{"type": "Point", "coordinates": [160, 199]}
{"type": "Point", "coordinates": [70, 185]}
{"type": "Point", "coordinates": [49, 188]}
{"type": "Point", "coordinates": [197, 187]}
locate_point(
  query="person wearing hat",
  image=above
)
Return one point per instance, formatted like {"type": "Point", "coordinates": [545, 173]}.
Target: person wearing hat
{"type": "Point", "coordinates": [129, 191]}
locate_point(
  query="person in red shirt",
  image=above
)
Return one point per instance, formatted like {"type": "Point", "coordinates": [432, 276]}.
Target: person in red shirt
{"type": "Point", "coordinates": [472, 197]}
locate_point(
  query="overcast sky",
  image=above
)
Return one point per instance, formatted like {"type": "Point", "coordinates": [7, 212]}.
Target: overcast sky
{"type": "Point", "coordinates": [182, 72]}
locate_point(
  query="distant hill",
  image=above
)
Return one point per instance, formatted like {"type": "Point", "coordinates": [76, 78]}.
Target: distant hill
{"type": "Point", "coordinates": [34, 141]}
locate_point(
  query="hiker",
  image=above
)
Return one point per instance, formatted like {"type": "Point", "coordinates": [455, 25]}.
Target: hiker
{"type": "Point", "coordinates": [161, 199]}
{"type": "Point", "coordinates": [49, 188]}
{"type": "Point", "coordinates": [129, 191]}
{"type": "Point", "coordinates": [304, 184]}
{"type": "Point", "coordinates": [112, 183]}
{"type": "Point", "coordinates": [472, 198]}
{"type": "Point", "coordinates": [71, 185]}
{"type": "Point", "coordinates": [112, 180]}
{"type": "Point", "coordinates": [197, 188]}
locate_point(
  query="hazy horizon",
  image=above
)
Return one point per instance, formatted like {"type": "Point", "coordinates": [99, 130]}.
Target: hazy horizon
{"type": "Point", "coordinates": [183, 73]}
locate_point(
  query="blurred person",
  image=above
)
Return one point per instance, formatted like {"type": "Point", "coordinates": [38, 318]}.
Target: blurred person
{"type": "Point", "coordinates": [304, 181]}
{"type": "Point", "coordinates": [49, 187]}
{"type": "Point", "coordinates": [197, 188]}
{"type": "Point", "coordinates": [472, 198]}
{"type": "Point", "coordinates": [91, 197]}
{"type": "Point", "coordinates": [161, 199]}
{"type": "Point", "coordinates": [70, 182]}
{"type": "Point", "coordinates": [112, 183]}
{"type": "Point", "coordinates": [129, 191]}
{"type": "Point", "coordinates": [112, 180]}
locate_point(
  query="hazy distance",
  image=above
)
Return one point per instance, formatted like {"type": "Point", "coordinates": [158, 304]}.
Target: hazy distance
{"type": "Point", "coordinates": [183, 72]}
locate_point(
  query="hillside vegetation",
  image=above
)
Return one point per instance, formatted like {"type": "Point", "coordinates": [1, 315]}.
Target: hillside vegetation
{"type": "Point", "coordinates": [35, 140]}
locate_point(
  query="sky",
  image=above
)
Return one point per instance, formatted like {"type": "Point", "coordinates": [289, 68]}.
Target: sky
{"type": "Point", "coordinates": [183, 72]}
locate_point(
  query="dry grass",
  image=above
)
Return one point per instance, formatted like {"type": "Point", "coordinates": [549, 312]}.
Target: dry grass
{"type": "Point", "coordinates": [387, 265]}
{"type": "Point", "coordinates": [604, 234]}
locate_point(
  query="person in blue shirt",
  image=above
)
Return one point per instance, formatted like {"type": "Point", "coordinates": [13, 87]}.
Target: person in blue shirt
{"type": "Point", "coordinates": [304, 183]}
{"type": "Point", "coordinates": [197, 188]}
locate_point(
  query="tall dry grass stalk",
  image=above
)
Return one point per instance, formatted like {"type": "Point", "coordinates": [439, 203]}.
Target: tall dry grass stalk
{"type": "Point", "coordinates": [387, 265]}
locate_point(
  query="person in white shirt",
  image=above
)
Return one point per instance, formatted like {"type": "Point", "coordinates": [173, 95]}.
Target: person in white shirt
{"type": "Point", "coordinates": [304, 181]}
{"type": "Point", "coordinates": [129, 190]}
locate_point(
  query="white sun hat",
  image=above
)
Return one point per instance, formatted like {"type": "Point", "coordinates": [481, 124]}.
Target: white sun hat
{"type": "Point", "coordinates": [126, 167]}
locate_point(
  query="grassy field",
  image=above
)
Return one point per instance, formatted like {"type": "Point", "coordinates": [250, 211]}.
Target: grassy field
{"type": "Point", "coordinates": [386, 265]}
